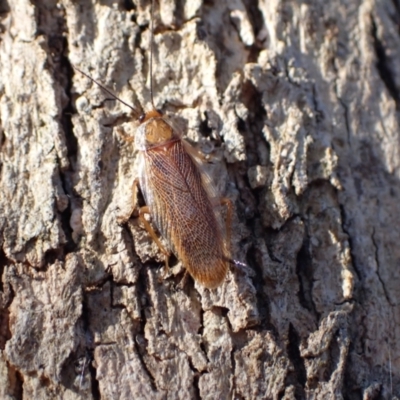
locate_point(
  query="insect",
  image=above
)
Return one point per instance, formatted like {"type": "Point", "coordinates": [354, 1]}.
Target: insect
{"type": "Point", "coordinates": [179, 203]}
{"type": "Point", "coordinates": [179, 197]}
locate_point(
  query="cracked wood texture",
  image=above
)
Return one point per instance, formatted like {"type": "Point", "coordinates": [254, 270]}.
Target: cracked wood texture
{"type": "Point", "coordinates": [296, 107]}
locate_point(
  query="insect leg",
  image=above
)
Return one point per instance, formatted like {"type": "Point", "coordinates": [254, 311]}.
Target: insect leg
{"type": "Point", "coordinates": [228, 222]}
{"type": "Point", "coordinates": [150, 230]}
{"type": "Point", "coordinates": [124, 218]}
{"type": "Point", "coordinates": [183, 281]}
{"type": "Point", "coordinates": [229, 212]}
{"type": "Point", "coordinates": [124, 136]}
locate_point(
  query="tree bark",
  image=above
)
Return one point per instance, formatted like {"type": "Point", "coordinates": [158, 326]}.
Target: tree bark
{"type": "Point", "coordinates": [296, 107]}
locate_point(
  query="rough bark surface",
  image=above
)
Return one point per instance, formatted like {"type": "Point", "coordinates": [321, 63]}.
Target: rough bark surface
{"type": "Point", "coordinates": [296, 104]}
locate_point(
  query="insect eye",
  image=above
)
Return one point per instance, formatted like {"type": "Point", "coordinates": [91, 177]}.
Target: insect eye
{"type": "Point", "coordinates": [142, 117]}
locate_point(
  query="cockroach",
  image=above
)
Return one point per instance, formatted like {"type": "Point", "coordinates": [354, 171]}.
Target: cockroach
{"type": "Point", "coordinates": [178, 200]}
{"type": "Point", "coordinates": [178, 196]}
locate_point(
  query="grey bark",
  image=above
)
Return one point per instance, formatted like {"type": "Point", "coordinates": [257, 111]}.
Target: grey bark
{"type": "Point", "coordinates": [296, 105]}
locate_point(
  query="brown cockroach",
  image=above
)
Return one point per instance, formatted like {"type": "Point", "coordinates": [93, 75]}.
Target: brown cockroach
{"type": "Point", "coordinates": [178, 200]}
{"type": "Point", "coordinates": [179, 197]}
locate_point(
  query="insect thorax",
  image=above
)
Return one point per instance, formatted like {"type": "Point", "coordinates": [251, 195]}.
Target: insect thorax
{"type": "Point", "coordinates": [153, 132]}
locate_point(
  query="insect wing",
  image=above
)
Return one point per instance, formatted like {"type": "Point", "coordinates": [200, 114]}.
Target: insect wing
{"type": "Point", "coordinates": [183, 213]}
{"type": "Point", "coordinates": [208, 185]}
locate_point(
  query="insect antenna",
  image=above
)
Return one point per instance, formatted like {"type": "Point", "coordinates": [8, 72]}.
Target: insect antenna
{"type": "Point", "coordinates": [151, 52]}
{"type": "Point", "coordinates": [108, 91]}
